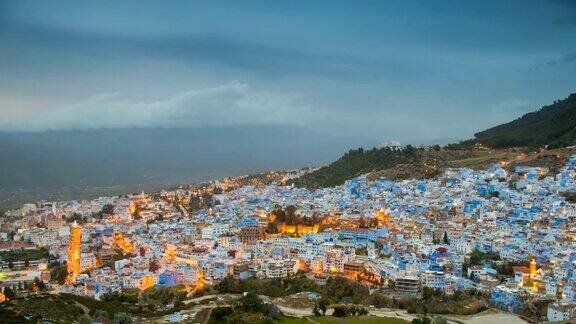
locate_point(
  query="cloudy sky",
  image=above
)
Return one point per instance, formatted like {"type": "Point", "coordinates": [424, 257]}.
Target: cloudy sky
{"type": "Point", "coordinates": [389, 70]}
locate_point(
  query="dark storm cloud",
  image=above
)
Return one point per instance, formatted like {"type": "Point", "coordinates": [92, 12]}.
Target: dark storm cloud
{"type": "Point", "coordinates": [267, 61]}
{"type": "Point", "coordinates": [398, 69]}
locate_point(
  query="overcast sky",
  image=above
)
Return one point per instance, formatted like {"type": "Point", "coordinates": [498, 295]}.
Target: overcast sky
{"type": "Point", "coordinates": [389, 70]}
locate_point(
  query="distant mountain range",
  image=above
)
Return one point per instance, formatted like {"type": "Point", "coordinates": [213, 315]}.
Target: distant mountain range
{"type": "Point", "coordinates": [553, 125]}
{"type": "Point", "coordinates": [109, 157]}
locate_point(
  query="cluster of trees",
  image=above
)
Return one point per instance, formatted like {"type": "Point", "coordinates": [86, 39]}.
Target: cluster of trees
{"type": "Point", "coordinates": [164, 296]}
{"type": "Point", "coordinates": [365, 222]}
{"type": "Point", "coordinates": [198, 202]}
{"type": "Point", "coordinates": [338, 288]}
{"type": "Point", "coordinates": [437, 302]}
{"type": "Point", "coordinates": [478, 257]}
{"type": "Point", "coordinates": [102, 316]}
{"type": "Point", "coordinates": [244, 310]}
{"type": "Point", "coordinates": [445, 239]}
{"type": "Point", "coordinates": [155, 301]}
{"type": "Point", "coordinates": [335, 290]}
{"type": "Point", "coordinates": [106, 210]}
{"type": "Point", "coordinates": [9, 293]}
{"type": "Point", "coordinates": [353, 310]}
{"type": "Point", "coordinates": [277, 287]}
{"type": "Point", "coordinates": [130, 297]}
{"type": "Point", "coordinates": [433, 301]}
{"type": "Point", "coordinates": [504, 268]}
{"type": "Point", "coordinates": [58, 273]}
{"type": "Point", "coordinates": [356, 162]}
{"type": "Point", "coordinates": [76, 218]}
{"type": "Point", "coordinates": [105, 311]}
{"type": "Point", "coordinates": [289, 216]}
{"type": "Point", "coordinates": [430, 320]}
{"type": "Point", "coordinates": [339, 311]}
{"type": "Point", "coordinates": [321, 307]}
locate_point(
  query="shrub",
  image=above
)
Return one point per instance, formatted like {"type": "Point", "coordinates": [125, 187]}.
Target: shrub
{"type": "Point", "coordinates": [340, 311]}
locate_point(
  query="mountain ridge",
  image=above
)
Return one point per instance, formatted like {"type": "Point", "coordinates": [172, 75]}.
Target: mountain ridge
{"type": "Point", "coordinates": [552, 126]}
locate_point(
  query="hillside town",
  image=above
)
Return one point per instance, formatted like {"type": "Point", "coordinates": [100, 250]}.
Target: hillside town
{"type": "Point", "coordinates": [508, 234]}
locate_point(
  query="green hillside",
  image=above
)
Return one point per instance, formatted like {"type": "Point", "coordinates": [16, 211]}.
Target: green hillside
{"type": "Point", "coordinates": [392, 163]}
{"type": "Point", "coordinates": [354, 163]}
{"type": "Point", "coordinates": [552, 125]}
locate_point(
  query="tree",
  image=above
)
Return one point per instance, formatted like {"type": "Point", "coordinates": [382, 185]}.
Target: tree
{"type": "Point", "coordinates": [435, 240]}
{"type": "Point", "coordinates": [220, 313]}
{"type": "Point", "coordinates": [362, 251]}
{"type": "Point", "coordinates": [340, 311]}
{"type": "Point", "coordinates": [440, 320]}
{"type": "Point", "coordinates": [362, 222]}
{"type": "Point", "coordinates": [77, 218]}
{"type": "Point", "coordinates": [322, 305]}
{"type": "Point", "coordinates": [85, 319]}
{"type": "Point", "coordinates": [353, 310]}
{"type": "Point", "coordinates": [9, 293]}
{"type": "Point", "coordinates": [362, 311]}
{"type": "Point", "coordinates": [101, 315]}
{"type": "Point", "coordinates": [424, 320]}
{"type": "Point", "coordinates": [340, 287]}
{"type": "Point", "coordinates": [316, 311]}
{"type": "Point", "coordinates": [250, 303]}
{"type": "Point", "coordinates": [178, 304]}
{"type": "Point", "coordinates": [37, 284]}
{"type": "Point", "coordinates": [122, 318]}
{"type": "Point", "coordinates": [59, 273]}
{"type": "Point", "coordinates": [153, 266]}
{"type": "Point", "coordinates": [427, 293]}
{"type": "Point", "coordinates": [271, 228]}
{"type": "Point", "coordinates": [380, 300]}
{"type": "Point", "coordinates": [445, 239]}
{"type": "Point", "coordinates": [108, 209]}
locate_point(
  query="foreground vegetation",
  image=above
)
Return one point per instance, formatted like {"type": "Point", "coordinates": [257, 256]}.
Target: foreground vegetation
{"type": "Point", "coordinates": [343, 290]}
{"type": "Point", "coordinates": [69, 308]}
{"type": "Point", "coordinates": [63, 308]}
{"type": "Point", "coordinates": [248, 309]}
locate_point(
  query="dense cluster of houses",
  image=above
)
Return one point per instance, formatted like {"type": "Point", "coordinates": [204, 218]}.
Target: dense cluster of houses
{"type": "Point", "coordinates": [415, 233]}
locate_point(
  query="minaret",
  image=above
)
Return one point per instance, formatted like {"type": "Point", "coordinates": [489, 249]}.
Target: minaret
{"type": "Point", "coordinates": [533, 267]}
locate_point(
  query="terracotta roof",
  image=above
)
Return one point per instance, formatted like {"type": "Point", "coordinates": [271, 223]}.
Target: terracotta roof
{"type": "Point", "coordinates": [16, 245]}
{"type": "Point", "coordinates": [525, 270]}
